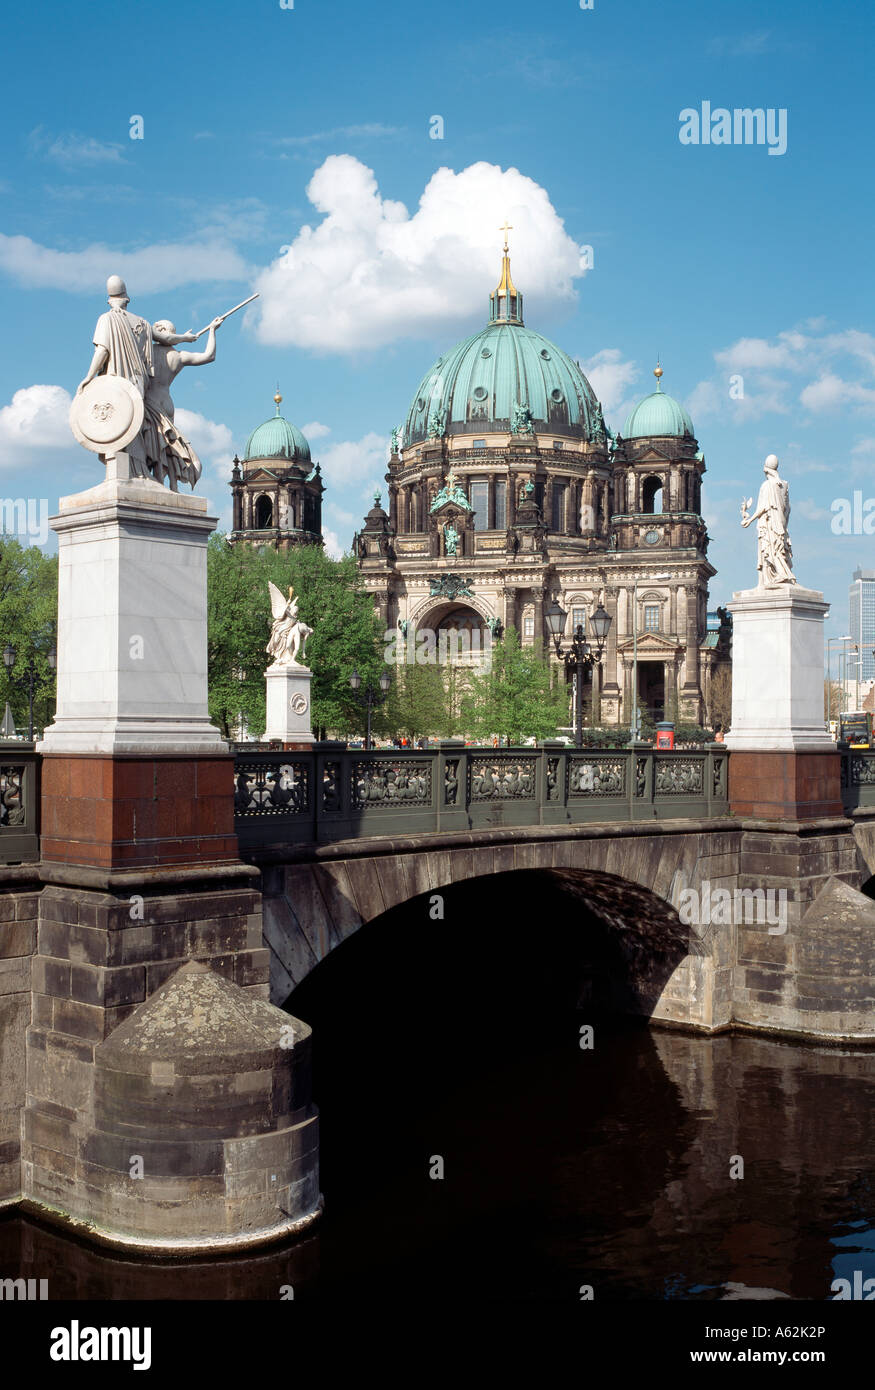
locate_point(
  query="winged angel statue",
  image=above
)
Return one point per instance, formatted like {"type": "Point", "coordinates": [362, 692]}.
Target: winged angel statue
{"type": "Point", "coordinates": [288, 634]}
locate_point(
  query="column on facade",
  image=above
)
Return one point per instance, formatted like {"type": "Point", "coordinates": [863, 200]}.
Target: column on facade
{"type": "Point", "coordinates": [610, 659]}
{"type": "Point", "coordinates": [675, 490]}
{"type": "Point", "coordinates": [673, 611]}
{"type": "Point", "coordinates": [631, 491]}
{"type": "Point", "coordinates": [587, 506]}
{"type": "Point", "coordinates": [691, 655]}
{"type": "Point", "coordinates": [511, 609]}
{"type": "Point", "coordinates": [538, 605]}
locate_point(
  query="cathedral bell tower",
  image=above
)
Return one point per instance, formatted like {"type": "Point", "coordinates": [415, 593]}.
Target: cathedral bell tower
{"type": "Point", "coordinates": [276, 490]}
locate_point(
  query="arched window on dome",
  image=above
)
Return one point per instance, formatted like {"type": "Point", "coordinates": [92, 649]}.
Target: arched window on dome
{"type": "Point", "coordinates": [263, 513]}
{"type": "Point", "coordinates": [651, 495]}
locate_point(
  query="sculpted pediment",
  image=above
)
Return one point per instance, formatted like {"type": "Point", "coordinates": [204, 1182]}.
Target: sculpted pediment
{"type": "Point", "coordinates": [649, 643]}
{"type": "Point", "coordinates": [653, 454]}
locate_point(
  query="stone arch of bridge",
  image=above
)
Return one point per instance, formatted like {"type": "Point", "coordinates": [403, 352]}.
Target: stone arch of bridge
{"type": "Point", "coordinates": [628, 884]}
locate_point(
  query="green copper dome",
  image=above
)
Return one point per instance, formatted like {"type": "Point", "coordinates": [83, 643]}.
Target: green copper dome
{"type": "Point", "coordinates": [277, 439]}
{"type": "Point", "coordinates": [502, 375]}
{"type": "Point", "coordinates": [659, 415]}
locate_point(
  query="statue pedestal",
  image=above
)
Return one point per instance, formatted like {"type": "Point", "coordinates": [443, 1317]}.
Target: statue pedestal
{"type": "Point", "coordinates": [784, 764]}
{"type": "Point", "coordinates": [134, 773]}
{"type": "Point", "coordinates": [288, 704]}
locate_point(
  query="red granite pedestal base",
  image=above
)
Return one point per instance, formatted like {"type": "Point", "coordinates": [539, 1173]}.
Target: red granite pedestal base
{"type": "Point", "coordinates": [135, 812]}
{"type": "Point", "coordinates": [785, 785]}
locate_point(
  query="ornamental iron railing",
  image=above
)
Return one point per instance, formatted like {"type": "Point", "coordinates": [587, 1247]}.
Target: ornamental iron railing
{"type": "Point", "coordinates": [858, 779]}
{"type": "Point", "coordinates": [19, 802]}
{"type": "Point", "coordinates": [334, 793]}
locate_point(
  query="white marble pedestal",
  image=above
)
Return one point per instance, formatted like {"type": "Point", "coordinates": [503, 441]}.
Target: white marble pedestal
{"type": "Point", "coordinates": [783, 765]}
{"type": "Point", "coordinates": [132, 622]}
{"type": "Point", "coordinates": [289, 712]}
{"type": "Point", "coordinates": [778, 670]}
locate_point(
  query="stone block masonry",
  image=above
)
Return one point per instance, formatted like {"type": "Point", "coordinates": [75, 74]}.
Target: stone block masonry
{"type": "Point", "coordinates": [169, 1151]}
{"type": "Point", "coordinates": [19, 910]}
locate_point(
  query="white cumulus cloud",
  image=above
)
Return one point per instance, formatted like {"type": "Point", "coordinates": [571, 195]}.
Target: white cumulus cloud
{"type": "Point", "coordinates": [163, 266]}
{"type": "Point", "coordinates": [210, 438]}
{"type": "Point", "coordinates": [610, 375]}
{"type": "Point", "coordinates": [37, 418]}
{"type": "Point", "coordinates": [830, 390]}
{"type": "Point", "coordinates": [369, 273]}
{"type": "Point", "coordinates": [333, 548]}
{"type": "Point", "coordinates": [212, 442]}
{"type": "Point", "coordinates": [314, 430]}
{"type": "Point", "coordinates": [356, 463]}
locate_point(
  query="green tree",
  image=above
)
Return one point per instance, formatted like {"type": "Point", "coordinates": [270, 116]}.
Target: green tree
{"type": "Point", "coordinates": [518, 698]}
{"type": "Point", "coordinates": [417, 702]}
{"type": "Point", "coordinates": [331, 599]}
{"type": "Point", "coordinates": [29, 623]}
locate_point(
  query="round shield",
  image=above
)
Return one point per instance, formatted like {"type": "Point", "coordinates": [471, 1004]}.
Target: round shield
{"type": "Point", "coordinates": [107, 414]}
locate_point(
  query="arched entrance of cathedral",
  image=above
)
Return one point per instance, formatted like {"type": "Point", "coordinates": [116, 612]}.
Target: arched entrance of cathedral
{"type": "Point", "coordinates": [461, 618]}
{"type": "Point", "coordinates": [651, 688]}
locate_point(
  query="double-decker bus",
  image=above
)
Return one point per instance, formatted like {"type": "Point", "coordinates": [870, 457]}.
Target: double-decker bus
{"type": "Point", "coordinates": [855, 728]}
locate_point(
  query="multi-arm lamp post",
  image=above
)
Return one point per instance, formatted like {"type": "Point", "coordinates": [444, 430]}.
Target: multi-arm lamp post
{"type": "Point", "coordinates": [27, 677]}
{"type": "Point", "coordinates": [580, 655]}
{"type": "Point", "coordinates": [829, 642]}
{"type": "Point", "coordinates": [369, 697]}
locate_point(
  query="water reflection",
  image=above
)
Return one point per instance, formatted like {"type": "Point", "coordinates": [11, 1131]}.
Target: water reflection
{"type": "Point", "coordinates": [608, 1168]}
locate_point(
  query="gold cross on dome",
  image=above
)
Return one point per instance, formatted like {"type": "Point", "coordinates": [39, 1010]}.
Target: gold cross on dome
{"type": "Point", "coordinates": [508, 227]}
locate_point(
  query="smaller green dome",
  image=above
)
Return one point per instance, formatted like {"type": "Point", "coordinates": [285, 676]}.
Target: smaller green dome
{"type": "Point", "coordinates": [277, 439]}
{"type": "Point", "coordinates": [658, 415]}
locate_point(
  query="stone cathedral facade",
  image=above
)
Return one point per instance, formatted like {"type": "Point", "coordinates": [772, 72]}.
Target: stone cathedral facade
{"type": "Point", "coordinates": [506, 489]}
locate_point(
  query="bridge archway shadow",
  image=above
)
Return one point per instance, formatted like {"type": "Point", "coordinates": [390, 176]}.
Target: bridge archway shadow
{"type": "Point", "coordinates": [459, 1036]}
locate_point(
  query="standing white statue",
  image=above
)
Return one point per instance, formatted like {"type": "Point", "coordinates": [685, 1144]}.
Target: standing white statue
{"type": "Point", "coordinates": [168, 455]}
{"type": "Point", "coordinates": [123, 405]}
{"type": "Point", "coordinates": [288, 633]}
{"type": "Point", "coordinates": [772, 515]}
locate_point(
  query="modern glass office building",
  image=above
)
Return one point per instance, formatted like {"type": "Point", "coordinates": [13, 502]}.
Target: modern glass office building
{"type": "Point", "coordinates": [861, 597]}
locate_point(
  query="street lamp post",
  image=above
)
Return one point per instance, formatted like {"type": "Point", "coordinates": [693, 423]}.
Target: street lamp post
{"type": "Point", "coordinates": [829, 642]}
{"type": "Point", "coordinates": [369, 697]}
{"type": "Point", "coordinates": [635, 727]}
{"type": "Point", "coordinates": [580, 655]}
{"type": "Point", "coordinates": [27, 677]}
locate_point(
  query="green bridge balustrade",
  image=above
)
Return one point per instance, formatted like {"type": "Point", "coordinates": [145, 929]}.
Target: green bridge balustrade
{"type": "Point", "coordinates": [335, 793]}
{"type": "Point", "coordinates": [19, 802]}
{"type": "Point", "coordinates": [858, 779]}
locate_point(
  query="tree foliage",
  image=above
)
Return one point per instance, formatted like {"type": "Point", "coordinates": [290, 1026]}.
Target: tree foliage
{"type": "Point", "coordinates": [331, 600]}
{"type": "Point", "coordinates": [517, 699]}
{"type": "Point", "coordinates": [29, 622]}
{"type": "Point", "coordinates": [417, 703]}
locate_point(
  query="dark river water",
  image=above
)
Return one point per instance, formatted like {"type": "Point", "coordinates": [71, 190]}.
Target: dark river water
{"type": "Point", "coordinates": [562, 1167]}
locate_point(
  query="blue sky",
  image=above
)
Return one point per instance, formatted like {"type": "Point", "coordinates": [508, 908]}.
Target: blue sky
{"type": "Point", "coordinates": [261, 122]}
